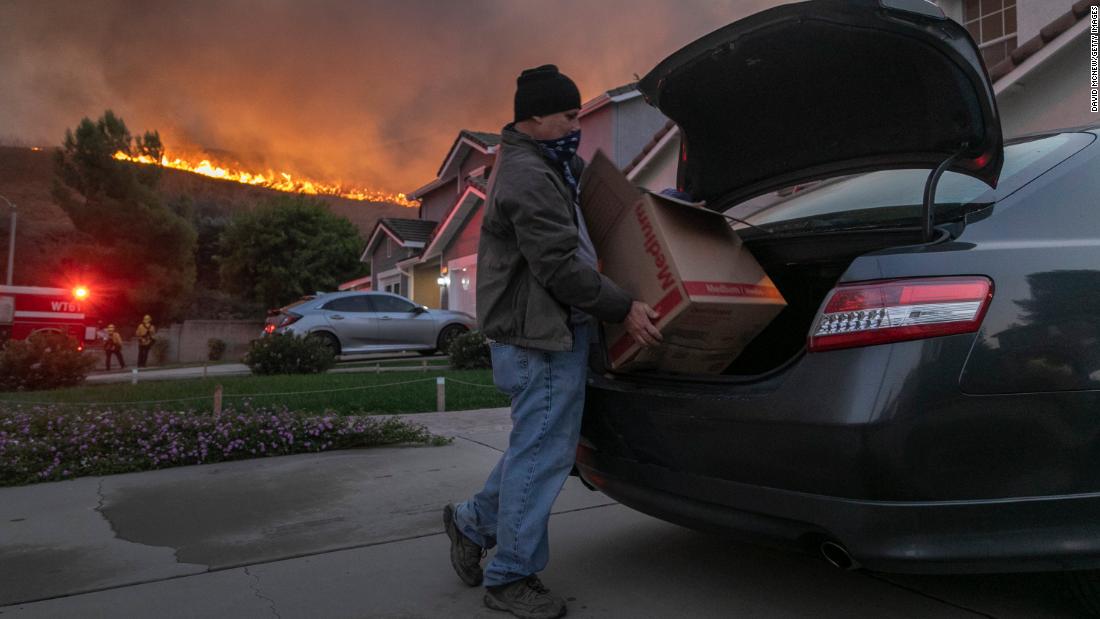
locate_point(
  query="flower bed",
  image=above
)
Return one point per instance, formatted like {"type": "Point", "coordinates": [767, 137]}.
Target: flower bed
{"type": "Point", "coordinates": [44, 443]}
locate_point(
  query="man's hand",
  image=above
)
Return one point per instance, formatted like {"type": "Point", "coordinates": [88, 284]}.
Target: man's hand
{"type": "Point", "coordinates": [639, 324]}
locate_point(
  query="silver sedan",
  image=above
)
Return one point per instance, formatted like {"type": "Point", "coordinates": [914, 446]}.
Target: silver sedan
{"type": "Point", "coordinates": [362, 322]}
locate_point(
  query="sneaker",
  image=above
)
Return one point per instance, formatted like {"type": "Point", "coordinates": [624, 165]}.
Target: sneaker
{"type": "Point", "coordinates": [466, 556]}
{"type": "Point", "coordinates": [527, 598]}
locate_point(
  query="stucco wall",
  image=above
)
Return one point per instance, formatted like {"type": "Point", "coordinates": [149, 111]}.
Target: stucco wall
{"type": "Point", "coordinates": [636, 123]}
{"type": "Point", "coordinates": [598, 132]}
{"type": "Point", "coordinates": [380, 263]}
{"type": "Point", "coordinates": [1033, 15]}
{"type": "Point", "coordinates": [1052, 96]}
{"type": "Point", "coordinates": [435, 204]}
{"type": "Point", "coordinates": [426, 285]}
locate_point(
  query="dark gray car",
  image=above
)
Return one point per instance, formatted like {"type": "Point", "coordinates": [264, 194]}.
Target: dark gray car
{"type": "Point", "coordinates": [929, 401]}
{"type": "Point", "coordinates": [365, 322]}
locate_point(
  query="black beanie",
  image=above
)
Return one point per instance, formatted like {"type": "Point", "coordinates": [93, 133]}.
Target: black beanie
{"type": "Point", "coordinates": [543, 91]}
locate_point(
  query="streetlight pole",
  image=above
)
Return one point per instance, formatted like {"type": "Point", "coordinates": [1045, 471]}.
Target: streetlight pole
{"type": "Point", "coordinates": [11, 241]}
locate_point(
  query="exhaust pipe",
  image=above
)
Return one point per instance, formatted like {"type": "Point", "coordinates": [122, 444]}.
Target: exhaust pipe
{"type": "Point", "coordinates": [838, 556]}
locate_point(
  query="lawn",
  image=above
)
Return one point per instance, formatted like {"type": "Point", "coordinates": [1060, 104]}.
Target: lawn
{"type": "Point", "coordinates": [355, 393]}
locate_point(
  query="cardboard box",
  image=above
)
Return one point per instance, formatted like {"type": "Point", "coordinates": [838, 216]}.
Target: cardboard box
{"type": "Point", "coordinates": [685, 262]}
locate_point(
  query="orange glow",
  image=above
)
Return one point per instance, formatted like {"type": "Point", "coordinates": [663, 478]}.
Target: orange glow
{"type": "Point", "coordinates": [80, 292]}
{"type": "Point", "coordinates": [280, 181]}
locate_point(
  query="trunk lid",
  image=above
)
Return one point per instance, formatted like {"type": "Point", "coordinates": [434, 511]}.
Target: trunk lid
{"type": "Point", "coordinates": [825, 88]}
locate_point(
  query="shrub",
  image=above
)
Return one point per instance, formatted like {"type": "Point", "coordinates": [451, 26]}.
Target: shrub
{"type": "Point", "coordinates": [288, 354]}
{"type": "Point", "coordinates": [160, 350]}
{"type": "Point", "coordinates": [470, 351]}
{"type": "Point", "coordinates": [46, 444]}
{"type": "Point", "coordinates": [43, 361]}
{"type": "Point", "coordinates": [215, 349]}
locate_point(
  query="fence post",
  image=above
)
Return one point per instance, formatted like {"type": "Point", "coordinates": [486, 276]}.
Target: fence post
{"type": "Point", "coordinates": [204, 369]}
{"type": "Point", "coordinates": [377, 368]}
{"type": "Point", "coordinates": [424, 365]}
{"type": "Point", "coordinates": [218, 400]}
{"type": "Point", "coordinates": [440, 394]}
{"type": "Point", "coordinates": [133, 376]}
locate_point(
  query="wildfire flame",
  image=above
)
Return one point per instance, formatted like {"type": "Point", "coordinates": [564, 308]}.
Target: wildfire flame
{"type": "Point", "coordinates": [280, 181]}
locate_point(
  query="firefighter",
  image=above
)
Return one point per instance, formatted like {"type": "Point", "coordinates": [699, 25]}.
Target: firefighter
{"type": "Point", "coordinates": [146, 335]}
{"type": "Point", "coordinates": [113, 346]}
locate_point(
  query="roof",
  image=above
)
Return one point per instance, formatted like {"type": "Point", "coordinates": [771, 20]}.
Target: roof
{"type": "Point", "coordinates": [414, 233]}
{"type": "Point", "coordinates": [485, 142]}
{"type": "Point", "coordinates": [649, 146]}
{"type": "Point", "coordinates": [487, 139]}
{"type": "Point", "coordinates": [615, 95]}
{"type": "Point", "coordinates": [1050, 32]}
{"type": "Point", "coordinates": [470, 200]}
{"type": "Point", "coordinates": [410, 230]}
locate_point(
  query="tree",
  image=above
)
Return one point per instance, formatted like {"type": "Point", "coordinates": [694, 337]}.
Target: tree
{"type": "Point", "coordinates": [135, 249]}
{"type": "Point", "coordinates": [287, 247]}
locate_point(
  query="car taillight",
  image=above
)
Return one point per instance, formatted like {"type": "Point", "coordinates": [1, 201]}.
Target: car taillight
{"type": "Point", "coordinates": [288, 319]}
{"type": "Point", "coordinates": [880, 312]}
{"type": "Point", "coordinates": [269, 328]}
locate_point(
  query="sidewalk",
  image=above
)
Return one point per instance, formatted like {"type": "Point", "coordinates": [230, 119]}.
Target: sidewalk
{"type": "Point", "coordinates": [357, 534]}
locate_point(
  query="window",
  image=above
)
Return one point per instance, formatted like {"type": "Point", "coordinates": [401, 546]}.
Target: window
{"type": "Point", "coordinates": [894, 197]}
{"type": "Point", "coordinates": [357, 303]}
{"type": "Point", "coordinates": [992, 23]}
{"type": "Point", "coordinates": [386, 303]}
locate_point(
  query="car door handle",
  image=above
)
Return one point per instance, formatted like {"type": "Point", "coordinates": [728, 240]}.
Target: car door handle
{"type": "Point", "coordinates": [336, 317]}
{"type": "Point", "coordinates": [384, 318]}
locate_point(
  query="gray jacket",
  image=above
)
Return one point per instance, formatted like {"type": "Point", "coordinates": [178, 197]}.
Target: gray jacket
{"type": "Point", "coordinates": [528, 273]}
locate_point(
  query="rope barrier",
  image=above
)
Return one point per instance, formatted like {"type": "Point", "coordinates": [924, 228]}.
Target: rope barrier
{"type": "Point", "coordinates": [462, 382]}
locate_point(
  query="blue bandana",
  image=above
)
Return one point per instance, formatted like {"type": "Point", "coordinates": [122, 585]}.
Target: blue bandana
{"type": "Point", "coordinates": [561, 152]}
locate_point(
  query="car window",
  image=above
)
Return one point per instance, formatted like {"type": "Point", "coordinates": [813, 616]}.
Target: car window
{"type": "Point", "coordinates": [385, 303]}
{"type": "Point", "coordinates": [887, 195]}
{"type": "Point", "coordinates": [357, 303]}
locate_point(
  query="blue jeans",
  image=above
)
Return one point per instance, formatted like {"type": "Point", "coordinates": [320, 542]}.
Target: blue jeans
{"type": "Point", "coordinates": [512, 511]}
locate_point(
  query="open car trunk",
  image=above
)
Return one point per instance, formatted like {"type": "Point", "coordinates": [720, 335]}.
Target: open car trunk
{"type": "Point", "coordinates": [805, 269]}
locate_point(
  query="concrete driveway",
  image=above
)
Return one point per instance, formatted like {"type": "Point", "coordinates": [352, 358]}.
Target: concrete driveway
{"type": "Point", "coordinates": [358, 534]}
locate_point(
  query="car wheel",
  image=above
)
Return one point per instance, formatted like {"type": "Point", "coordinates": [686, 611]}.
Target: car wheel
{"type": "Point", "coordinates": [1085, 586]}
{"type": "Point", "coordinates": [329, 340]}
{"type": "Point", "coordinates": [447, 335]}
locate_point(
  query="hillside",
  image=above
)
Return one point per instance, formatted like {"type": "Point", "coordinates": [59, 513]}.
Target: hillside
{"type": "Point", "coordinates": [26, 176]}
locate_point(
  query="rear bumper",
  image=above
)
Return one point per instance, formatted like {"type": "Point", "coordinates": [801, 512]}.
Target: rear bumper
{"type": "Point", "coordinates": [980, 536]}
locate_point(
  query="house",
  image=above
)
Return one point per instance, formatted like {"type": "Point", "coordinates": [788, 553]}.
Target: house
{"type": "Point", "coordinates": [435, 264]}
{"type": "Point", "coordinates": [1040, 84]}
{"type": "Point", "coordinates": [391, 250]}
{"type": "Point", "coordinates": [446, 270]}
{"type": "Point", "coordinates": [619, 122]}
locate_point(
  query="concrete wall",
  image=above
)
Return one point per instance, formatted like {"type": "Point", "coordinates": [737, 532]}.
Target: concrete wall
{"type": "Point", "coordinates": [187, 341]}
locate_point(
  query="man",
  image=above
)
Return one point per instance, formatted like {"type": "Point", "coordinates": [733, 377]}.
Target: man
{"type": "Point", "coordinates": [112, 345]}
{"type": "Point", "coordinates": [146, 335]}
{"type": "Point", "coordinates": [537, 293]}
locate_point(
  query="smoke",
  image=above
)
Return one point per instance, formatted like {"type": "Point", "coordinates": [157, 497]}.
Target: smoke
{"type": "Point", "coordinates": [367, 92]}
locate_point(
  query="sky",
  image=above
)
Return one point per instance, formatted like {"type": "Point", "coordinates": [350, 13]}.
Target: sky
{"type": "Point", "coordinates": [366, 92]}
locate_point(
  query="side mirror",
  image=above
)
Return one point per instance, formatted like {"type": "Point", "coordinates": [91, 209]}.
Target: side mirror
{"type": "Point", "coordinates": [419, 309]}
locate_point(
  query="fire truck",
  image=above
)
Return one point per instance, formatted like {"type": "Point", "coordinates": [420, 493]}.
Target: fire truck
{"type": "Point", "coordinates": [25, 310]}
